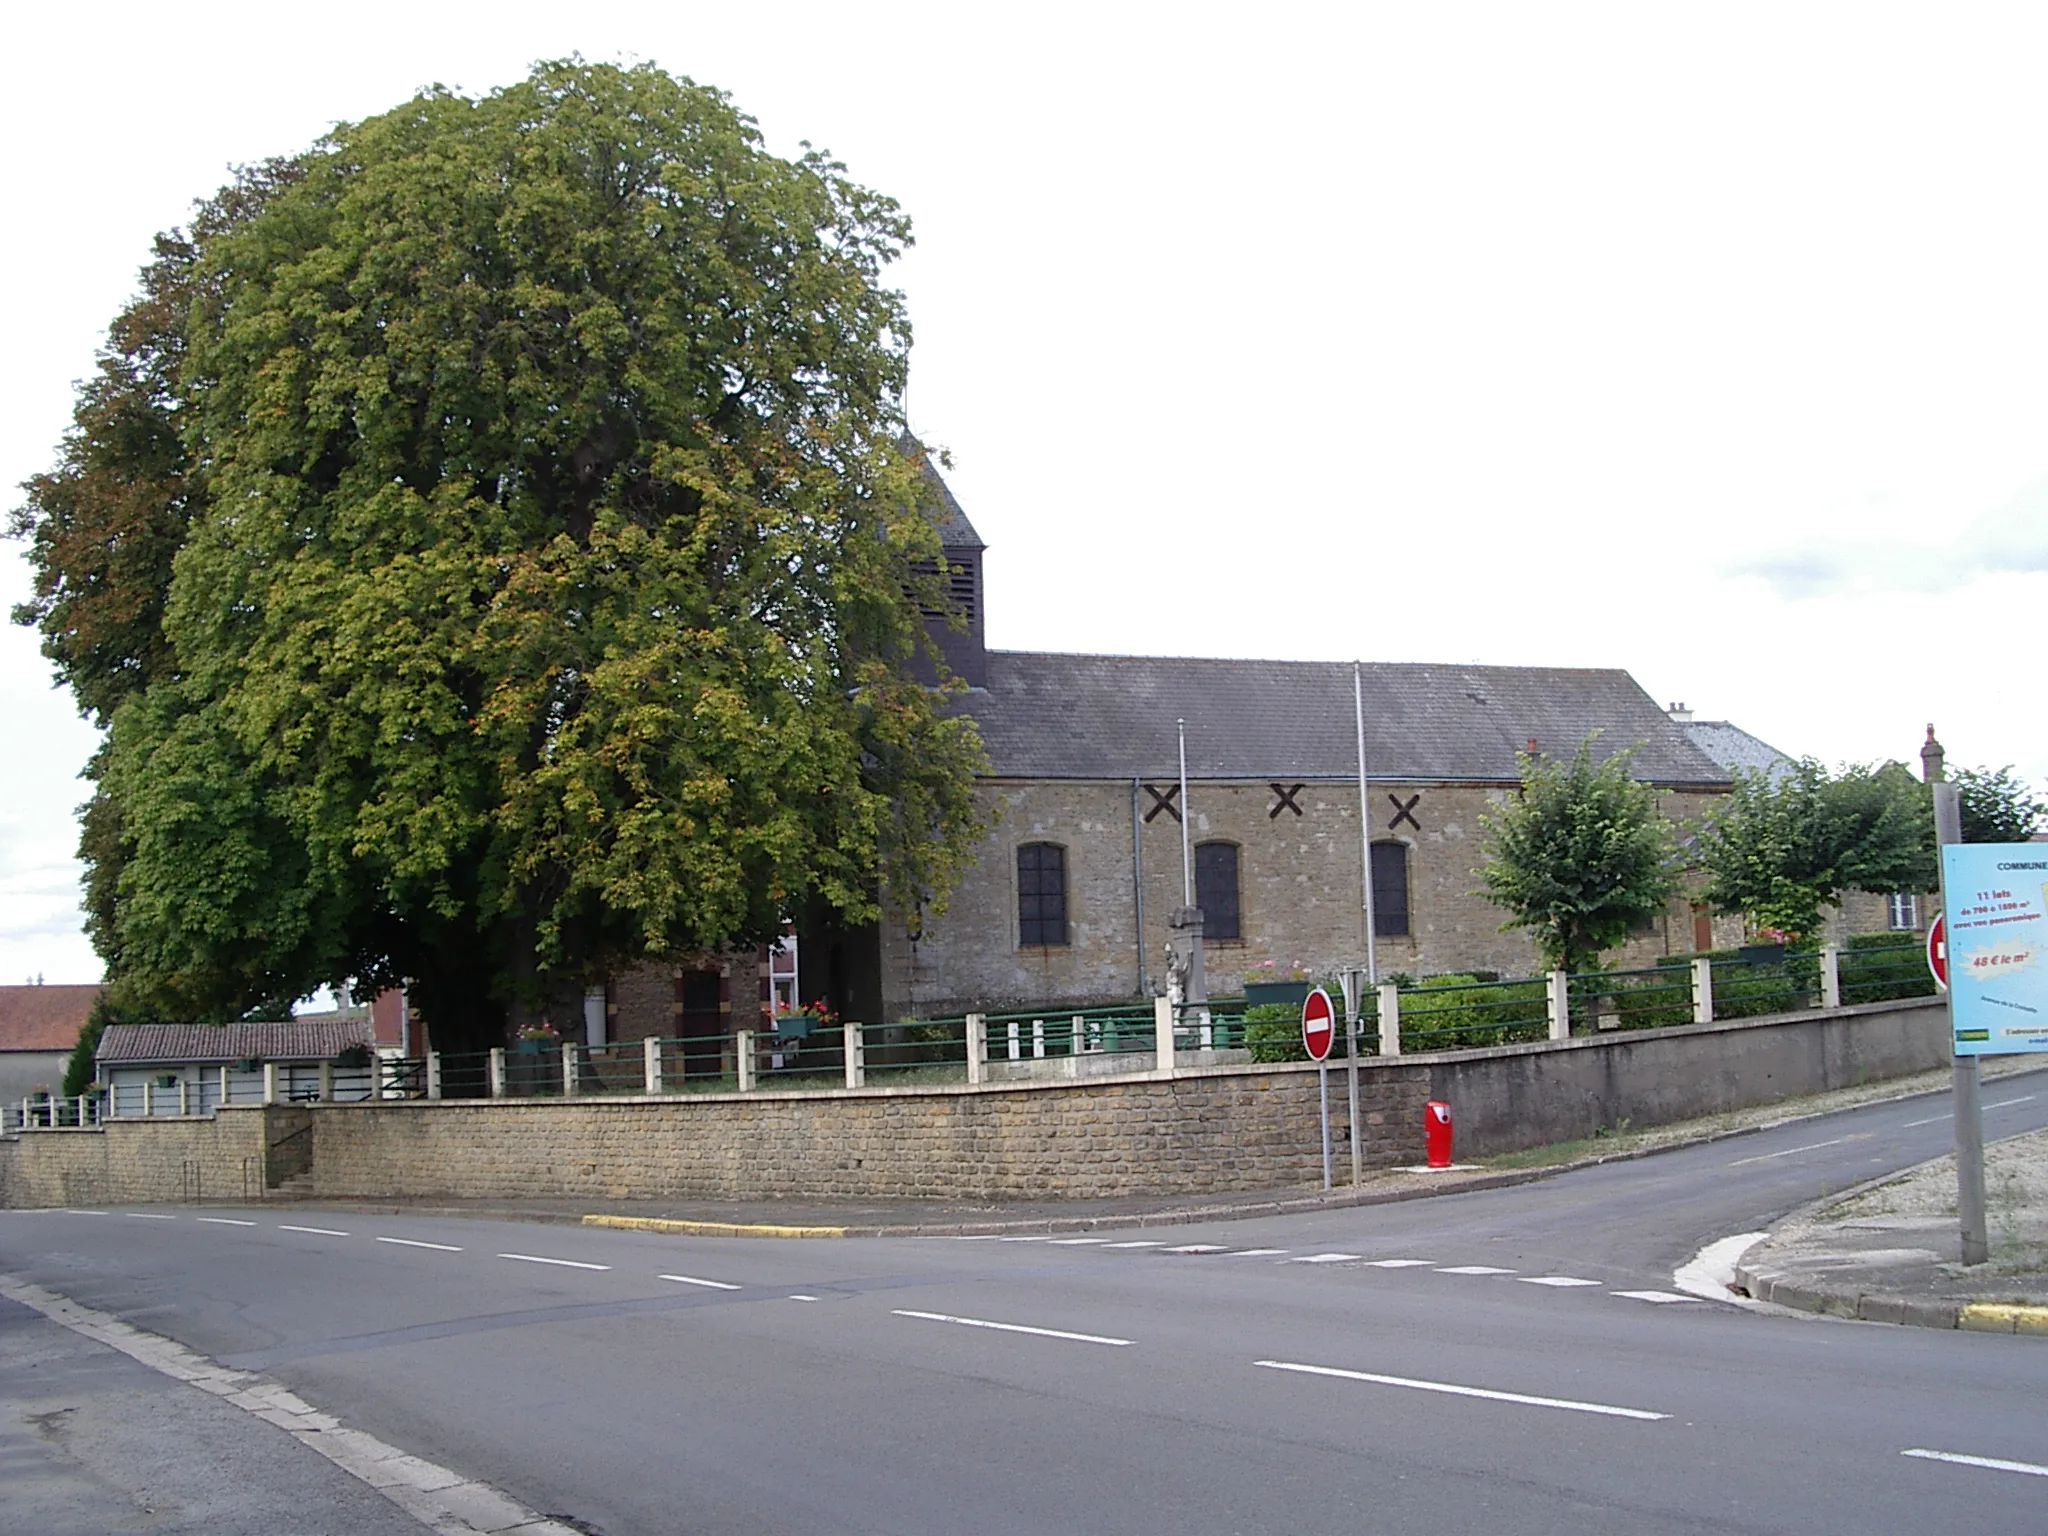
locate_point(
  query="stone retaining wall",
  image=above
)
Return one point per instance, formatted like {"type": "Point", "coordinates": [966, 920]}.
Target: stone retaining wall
{"type": "Point", "coordinates": [1218, 1128]}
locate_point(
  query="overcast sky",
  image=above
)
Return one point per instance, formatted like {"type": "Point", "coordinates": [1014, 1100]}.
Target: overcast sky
{"type": "Point", "coordinates": [1707, 342]}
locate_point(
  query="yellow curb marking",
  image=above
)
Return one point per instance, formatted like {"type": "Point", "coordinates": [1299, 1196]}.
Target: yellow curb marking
{"type": "Point", "coordinates": [708, 1228]}
{"type": "Point", "coordinates": [2002, 1317]}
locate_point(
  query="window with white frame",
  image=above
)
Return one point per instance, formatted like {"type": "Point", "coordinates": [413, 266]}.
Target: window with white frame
{"type": "Point", "coordinates": [1904, 914]}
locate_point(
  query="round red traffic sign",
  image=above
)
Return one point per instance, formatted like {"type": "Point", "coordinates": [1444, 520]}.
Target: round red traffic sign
{"type": "Point", "coordinates": [1318, 1023]}
{"type": "Point", "coordinates": [1937, 950]}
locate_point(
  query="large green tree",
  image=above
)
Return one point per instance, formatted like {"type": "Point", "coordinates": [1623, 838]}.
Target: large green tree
{"type": "Point", "coordinates": [1784, 847]}
{"type": "Point", "coordinates": [1997, 806]}
{"type": "Point", "coordinates": [1580, 856]}
{"type": "Point", "coordinates": [491, 544]}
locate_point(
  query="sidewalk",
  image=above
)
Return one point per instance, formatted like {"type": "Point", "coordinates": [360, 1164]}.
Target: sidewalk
{"type": "Point", "coordinates": [1890, 1252]}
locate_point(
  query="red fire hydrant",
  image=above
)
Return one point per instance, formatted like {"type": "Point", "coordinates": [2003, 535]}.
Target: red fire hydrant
{"type": "Point", "coordinates": [1436, 1132]}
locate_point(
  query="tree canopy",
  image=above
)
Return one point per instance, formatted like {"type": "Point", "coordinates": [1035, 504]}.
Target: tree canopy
{"type": "Point", "coordinates": [491, 544]}
{"type": "Point", "coordinates": [1783, 848]}
{"type": "Point", "coordinates": [1580, 856]}
{"type": "Point", "coordinates": [1997, 806]}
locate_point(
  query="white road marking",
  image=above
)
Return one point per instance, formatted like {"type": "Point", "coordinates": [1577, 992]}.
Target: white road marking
{"type": "Point", "coordinates": [413, 1242]}
{"type": "Point", "coordinates": [226, 1221]}
{"type": "Point", "coordinates": [803, 1298]}
{"type": "Point", "coordinates": [1989, 1463]}
{"type": "Point", "coordinates": [1560, 1281]}
{"type": "Point", "coordinates": [1607, 1409]}
{"type": "Point", "coordinates": [1326, 1258]}
{"type": "Point", "coordinates": [1025, 1239]}
{"type": "Point", "coordinates": [1711, 1271]}
{"type": "Point", "coordinates": [1811, 1146]}
{"type": "Point", "coordinates": [1133, 1245]}
{"type": "Point", "coordinates": [982, 1322]}
{"type": "Point", "coordinates": [84, 1213]}
{"type": "Point", "coordinates": [1199, 1248]}
{"type": "Point", "coordinates": [441, 1500]}
{"type": "Point", "coordinates": [1399, 1263]}
{"type": "Point", "coordinates": [1475, 1269]}
{"type": "Point", "coordinates": [2026, 1098]}
{"type": "Point", "coordinates": [149, 1216]}
{"type": "Point", "coordinates": [534, 1258]}
{"type": "Point", "coordinates": [1660, 1298]}
{"type": "Point", "coordinates": [716, 1285]}
{"type": "Point", "coordinates": [1255, 1253]}
{"type": "Point", "coordinates": [977, 1237]}
{"type": "Point", "coordinates": [316, 1231]}
{"type": "Point", "coordinates": [1077, 1242]}
{"type": "Point", "coordinates": [1930, 1120]}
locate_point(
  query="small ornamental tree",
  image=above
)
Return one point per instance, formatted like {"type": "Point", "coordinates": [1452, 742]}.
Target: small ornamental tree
{"type": "Point", "coordinates": [1997, 807]}
{"type": "Point", "coordinates": [1781, 850]}
{"type": "Point", "coordinates": [1580, 856]}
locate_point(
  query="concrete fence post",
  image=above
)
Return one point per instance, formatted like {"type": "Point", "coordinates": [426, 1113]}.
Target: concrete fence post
{"type": "Point", "coordinates": [184, 1097]}
{"type": "Point", "coordinates": [326, 1082]}
{"type": "Point", "coordinates": [270, 1082]}
{"type": "Point", "coordinates": [856, 1054]}
{"type": "Point", "coordinates": [1831, 976]}
{"type": "Point", "coordinates": [148, 1102]}
{"type": "Point", "coordinates": [743, 1057]}
{"type": "Point", "coordinates": [1390, 1019]}
{"type": "Point", "coordinates": [227, 1092]}
{"type": "Point", "coordinates": [433, 1074]}
{"type": "Point", "coordinates": [1162, 1035]}
{"type": "Point", "coordinates": [1559, 988]}
{"type": "Point", "coordinates": [977, 1048]}
{"type": "Point", "coordinates": [83, 1099]}
{"type": "Point", "coordinates": [650, 1062]}
{"type": "Point", "coordinates": [497, 1072]}
{"type": "Point", "coordinates": [1703, 991]}
{"type": "Point", "coordinates": [1038, 1039]}
{"type": "Point", "coordinates": [568, 1069]}
{"type": "Point", "coordinates": [1079, 1042]}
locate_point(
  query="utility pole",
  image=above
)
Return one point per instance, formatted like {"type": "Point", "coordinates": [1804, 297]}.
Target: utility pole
{"type": "Point", "coordinates": [1968, 1085]}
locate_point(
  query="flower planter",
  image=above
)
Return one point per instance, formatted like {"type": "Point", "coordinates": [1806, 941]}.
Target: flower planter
{"type": "Point", "coordinates": [1762, 954]}
{"type": "Point", "coordinates": [793, 1026]}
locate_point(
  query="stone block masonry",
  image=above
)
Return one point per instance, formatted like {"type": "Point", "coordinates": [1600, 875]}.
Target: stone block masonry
{"type": "Point", "coordinates": [137, 1162]}
{"type": "Point", "coordinates": [1220, 1129]}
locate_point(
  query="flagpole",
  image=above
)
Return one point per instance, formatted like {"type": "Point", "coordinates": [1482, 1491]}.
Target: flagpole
{"type": "Point", "coordinates": [1187, 864]}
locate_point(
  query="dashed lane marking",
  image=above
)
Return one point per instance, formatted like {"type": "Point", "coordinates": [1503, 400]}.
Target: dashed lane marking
{"type": "Point", "coordinates": [1475, 1269]}
{"type": "Point", "coordinates": [1659, 1298]}
{"type": "Point", "coordinates": [715, 1285]}
{"type": "Point", "coordinates": [225, 1221]}
{"type": "Point", "coordinates": [1135, 1245]}
{"type": "Point", "coordinates": [1256, 1253]}
{"type": "Point", "coordinates": [414, 1242]}
{"type": "Point", "coordinates": [1811, 1146]}
{"type": "Point", "coordinates": [1327, 1258]}
{"type": "Point", "coordinates": [1200, 1248]}
{"type": "Point", "coordinates": [803, 1298]}
{"type": "Point", "coordinates": [149, 1216]}
{"type": "Point", "coordinates": [534, 1258]}
{"type": "Point", "coordinates": [71, 1211]}
{"type": "Point", "coordinates": [1561, 1282]}
{"type": "Point", "coordinates": [1452, 1389]}
{"type": "Point", "coordinates": [1988, 1463]}
{"type": "Point", "coordinates": [1399, 1263]}
{"type": "Point", "coordinates": [1077, 1242]}
{"type": "Point", "coordinates": [982, 1322]}
{"type": "Point", "coordinates": [316, 1231]}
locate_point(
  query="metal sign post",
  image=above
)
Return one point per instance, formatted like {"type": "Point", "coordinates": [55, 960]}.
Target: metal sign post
{"type": "Point", "coordinates": [1353, 994]}
{"type": "Point", "coordinates": [1318, 1031]}
{"type": "Point", "coordinates": [1965, 1080]}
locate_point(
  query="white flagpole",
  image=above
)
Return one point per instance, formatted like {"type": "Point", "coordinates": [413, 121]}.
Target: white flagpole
{"type": "Point", "coordinates": [1372, 953]}
{"type": "Point", "coordinates": [1187, 863]}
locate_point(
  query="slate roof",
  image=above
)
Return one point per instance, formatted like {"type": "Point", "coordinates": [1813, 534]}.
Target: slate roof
{"type": "Point", "coordinates": [299, 1040]}
{"type": "Point", "coordinates": [1052, 716]}
{"type": "Point", "coordinates": [43, 1018]}
{"type": "Point", "coordinates": [955, 532]}
{"type": "Point", "coordinates": [1736, 750]}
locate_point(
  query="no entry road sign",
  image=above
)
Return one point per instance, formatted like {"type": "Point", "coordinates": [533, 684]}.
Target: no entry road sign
{"type": "Point", "coordinates": [1318, 1023]}
{"type": "Point", "coordinates": [1937, 950]}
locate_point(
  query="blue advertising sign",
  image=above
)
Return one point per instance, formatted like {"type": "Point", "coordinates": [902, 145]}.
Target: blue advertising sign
{"type": "Point", "coordinates": [1997, 946]}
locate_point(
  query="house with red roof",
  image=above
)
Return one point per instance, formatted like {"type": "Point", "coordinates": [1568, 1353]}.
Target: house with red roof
{"type": "Point", "coordinates": [38, 1027]}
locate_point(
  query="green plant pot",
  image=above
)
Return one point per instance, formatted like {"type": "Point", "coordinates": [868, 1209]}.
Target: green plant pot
{"type": "Point", "coordinates": [793, 1026]}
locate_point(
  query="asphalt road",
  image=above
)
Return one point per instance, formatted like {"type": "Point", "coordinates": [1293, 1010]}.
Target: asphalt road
{"type": "Point", "coordinates": [1513, 1360]}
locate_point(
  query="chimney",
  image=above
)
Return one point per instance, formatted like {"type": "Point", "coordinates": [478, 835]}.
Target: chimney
{"type": "Point", "coordinates": [1532, 746]}
{"type": "Point", "coordinates": [1931, 757]}
{"type": "Point", "coordinates": [1680, 713]}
